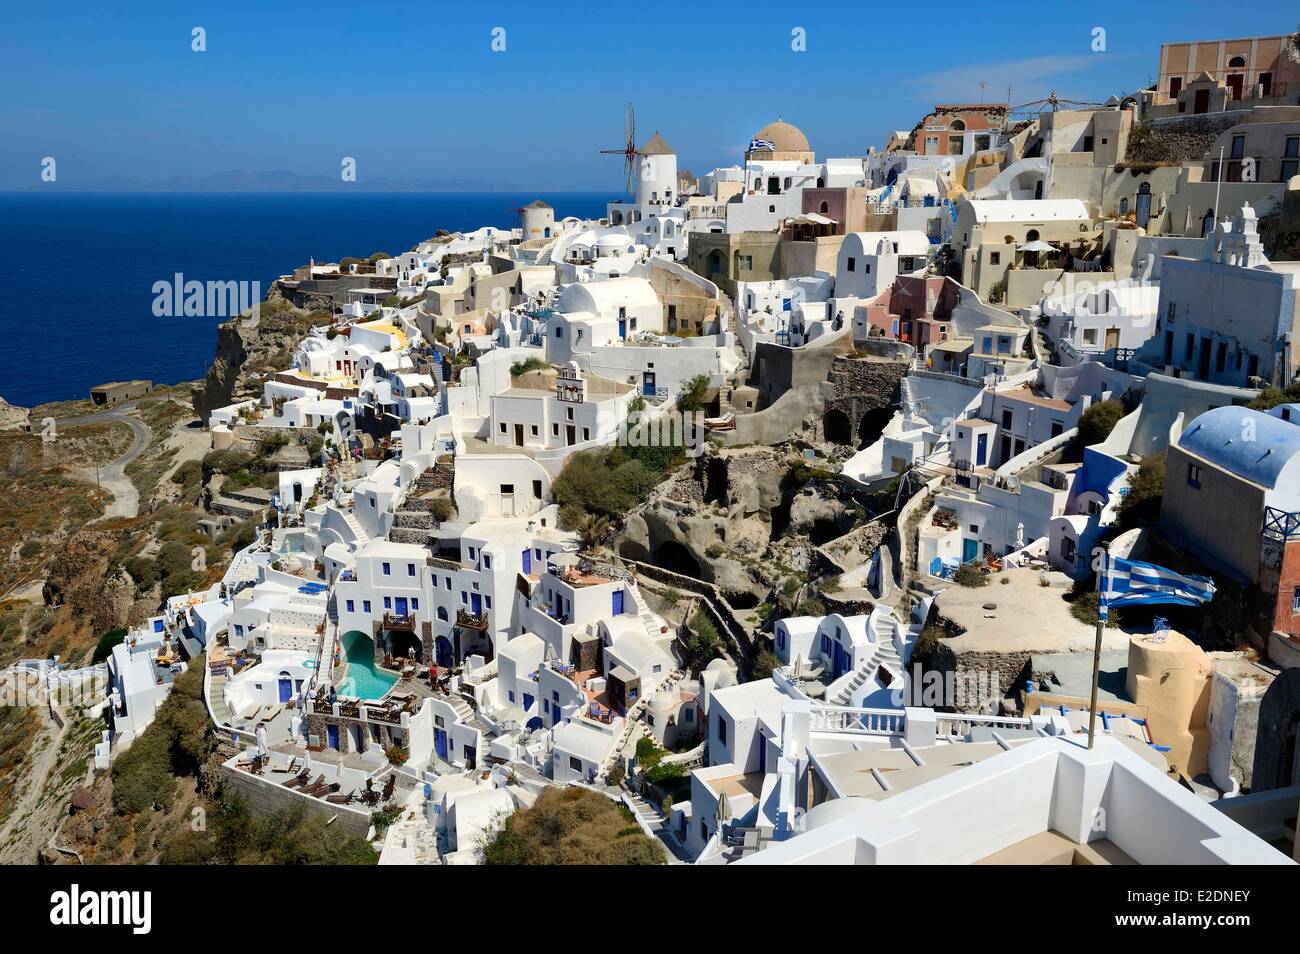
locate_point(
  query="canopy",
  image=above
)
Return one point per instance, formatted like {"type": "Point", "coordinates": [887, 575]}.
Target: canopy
{"type": "Point", "coordinates": [1035, 246]}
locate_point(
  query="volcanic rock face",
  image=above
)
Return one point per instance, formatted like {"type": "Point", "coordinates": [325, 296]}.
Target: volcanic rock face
{"type": "Point", "coordinates": [12, 418]}
{"type": "Point", "coordinates": [739, 519]}
{"type": "Point", "coordinates": [76, 579]}
{"type": "Point", "coordinates": [246, 347]}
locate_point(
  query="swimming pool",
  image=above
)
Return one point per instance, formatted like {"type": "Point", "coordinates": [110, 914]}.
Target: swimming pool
{"type": "Point", "coordinates": [363, 680]}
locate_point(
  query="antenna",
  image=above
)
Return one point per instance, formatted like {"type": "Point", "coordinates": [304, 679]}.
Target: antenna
{"type": "Point", "coordinates": [628, 152]}
{"type": "Point", "coordinates": [1052, 102]}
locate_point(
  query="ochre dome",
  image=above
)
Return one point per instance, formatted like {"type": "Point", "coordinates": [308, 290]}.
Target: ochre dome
{"type": "Point", "coordinates": [785, 137]}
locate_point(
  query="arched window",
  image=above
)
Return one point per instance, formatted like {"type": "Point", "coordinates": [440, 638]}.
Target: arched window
{"type": "Point", "coordinates": [1237, 63]}
{"type": "Point", "coordinates": [957, 126]}
{"type": "Point", "coordinates": [1031, 235]}
{"type": "Point", "coordinates": [825, 207]}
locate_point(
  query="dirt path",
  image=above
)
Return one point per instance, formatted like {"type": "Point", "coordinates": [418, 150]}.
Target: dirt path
{"type": "Point", "coordinates": [31, 825]}
{"type": "Point", "coordinates": [112, 477]}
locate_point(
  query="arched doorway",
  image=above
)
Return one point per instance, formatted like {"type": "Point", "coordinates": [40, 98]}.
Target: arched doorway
{"type": "Point", "coordinates": [402, 642]}
{"type": "Point", "coordinates": [442, 652]}
{"type": "Point", "coordinates": [1143, 215]}
{"type": "Point", "coordinates": [285, 686]}
{"type": "Point", "coordinates": [836, 427]}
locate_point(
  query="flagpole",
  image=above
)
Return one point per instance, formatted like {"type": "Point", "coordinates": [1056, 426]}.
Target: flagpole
{"type": "Point", "coordinates": [1096, 649]}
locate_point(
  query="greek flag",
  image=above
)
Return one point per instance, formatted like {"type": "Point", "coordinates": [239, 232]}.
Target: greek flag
{"type": "Point", "coordinates": [1129, 583]}
{"type": "Point", "coordinates": [761, 144]}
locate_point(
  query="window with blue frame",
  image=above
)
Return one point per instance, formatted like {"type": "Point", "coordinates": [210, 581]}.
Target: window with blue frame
{"type": "Point", "coordinates": [415, 603]}
{"type": "Point", "coordinates": [365, 606]}
{"type": "Point", "coordinates": [1194, 476]}
{"type": "Point", "coordinates": [388, 569]}
{"type": "Point", "coordinates": [351, 607]}
{"type": "Point", "coordinates": [410, 569]}
{"type": "Point", "coordinates": [826, 643]}
{"type": "Point", "coordinates": [388, 602]}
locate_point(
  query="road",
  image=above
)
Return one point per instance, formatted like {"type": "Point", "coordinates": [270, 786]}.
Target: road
{"type": "Point", "coordinates": [112, 477]}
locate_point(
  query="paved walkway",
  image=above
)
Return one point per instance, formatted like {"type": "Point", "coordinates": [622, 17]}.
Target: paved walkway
{"type": "Point", "coordinates": [649, 814]}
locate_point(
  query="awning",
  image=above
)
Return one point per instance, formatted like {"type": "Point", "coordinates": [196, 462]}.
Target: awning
{"type": "Point", "coordinates": [1035, 246]}
{"type": "Point", "coordinates": [812, 218]}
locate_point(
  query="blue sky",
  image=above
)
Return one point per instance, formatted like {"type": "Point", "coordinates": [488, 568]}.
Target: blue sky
{"type": "Point", "coordinates": [415, 90]}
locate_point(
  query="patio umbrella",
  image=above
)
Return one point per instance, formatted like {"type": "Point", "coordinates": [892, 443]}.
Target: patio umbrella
{"type": "Point", "coordinates": [724, 809]}
{"type": "Point", "coordinates": [1020, 536]}
{"type": "Point", "coordinates": [1036, 246]}
{"type": "Point", "coordinates": [798, 666]}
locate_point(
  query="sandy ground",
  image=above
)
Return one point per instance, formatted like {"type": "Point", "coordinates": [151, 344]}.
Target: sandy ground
{"type": "Point", "coordinates": [1028, 618]}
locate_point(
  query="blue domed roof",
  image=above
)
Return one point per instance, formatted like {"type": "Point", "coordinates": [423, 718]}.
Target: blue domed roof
{"type": "Point", "coordinates": [1224, 437]}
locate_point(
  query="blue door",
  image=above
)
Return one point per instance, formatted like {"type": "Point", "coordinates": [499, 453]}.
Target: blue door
{"type": "Point", "coordinates": [400, 605]}
{"type": "Point", "coordinates": [618, 603]}
{"type": "Point", "coordinates": [476, 603]}
{"type": "Point", "coordinates": [981, 450]}
{"type": "Point", "coordinates": [332, 735]}
{"type": "Point", "coordinates": [648, 384]}
{"type": "Point", "coordinates": [440, 743]}
{"type": "Point", "coordinates": [970, 550]}
{"type": "Point", "coordinates": [442, 651]}
{"type": "Point", "coordinates": [528, 560]}
{"type": "Point", "coordinates": [286, 688]}
{"type": "Point", "coordinates": [622, 328]}
{"type": "Point", "coordinates": [528, 702]}
{"type": "Point", "coordinates": [841, 661]}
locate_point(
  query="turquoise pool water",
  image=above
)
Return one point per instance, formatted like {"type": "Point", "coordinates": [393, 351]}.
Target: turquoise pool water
{"type": "Point", "coordinates": [363, 680]}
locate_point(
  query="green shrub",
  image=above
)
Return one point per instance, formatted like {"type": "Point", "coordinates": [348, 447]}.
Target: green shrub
{"type": "Point", "coordinates": [528, 364]}
{"type": "Point", "coordinates": [104, 648]}
{"type": "Point", "coordinates": [714, 550]}
{"type": "Point", "coordinates": [176, 743]}
{"type": "Point", "coordinates": [571, 826]}
{"type": "Point", "coordinates": [1141, 505]}
{"type": "Point", "coordinates": [968, 574]}
{"type": "Point", "coordinates": [235, 836]}
{"type": "Point", "coordinates": [693, 393]}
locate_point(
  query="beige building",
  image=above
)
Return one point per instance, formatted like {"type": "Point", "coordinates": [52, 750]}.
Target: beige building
{"type": "Point", "coordinates": [1264, 147]}
{"type": "Point", "coordinates": [993, 237]}
{"type": "Point", "coordinates": [731, 257]}
{"type": "Point", "coordinates": [1208, 76]}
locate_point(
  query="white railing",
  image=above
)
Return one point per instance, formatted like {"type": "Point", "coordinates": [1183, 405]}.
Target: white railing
{"type": "Point", "coordinates": [959, 726]}
{"type": "Point", "coordinates": [889, 722]}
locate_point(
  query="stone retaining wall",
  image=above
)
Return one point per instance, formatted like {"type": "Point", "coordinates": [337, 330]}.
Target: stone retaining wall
{"type": "Point", "coordinates": [265, 796]}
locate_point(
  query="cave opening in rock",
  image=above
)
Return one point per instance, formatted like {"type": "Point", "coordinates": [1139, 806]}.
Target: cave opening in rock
{"type": "Point", "coordinates": [872, 424]}
{"type": "Point", "coordinates": [742, 600]}
{"type": "Point", "coordinates": [824, 531]}
{"type": "Point", "coordinates": [836, 427]}
{"type": "Point", "coordinates": [671, 555]}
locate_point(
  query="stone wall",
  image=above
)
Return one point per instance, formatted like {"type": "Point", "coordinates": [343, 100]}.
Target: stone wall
{"type": "Point", "coordinates": [265, 796]}
{"type": "Point", "coordinates": [989, 676]}
{"type": "Point", "coordinates": [1177, 139]}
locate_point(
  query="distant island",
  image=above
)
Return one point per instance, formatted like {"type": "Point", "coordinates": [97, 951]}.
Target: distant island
{"type": "Point", "coordinates": [241, 180]}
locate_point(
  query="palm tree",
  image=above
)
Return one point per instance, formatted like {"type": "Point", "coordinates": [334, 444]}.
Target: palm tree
{"type": "Point", "coordinates": [593, 531]}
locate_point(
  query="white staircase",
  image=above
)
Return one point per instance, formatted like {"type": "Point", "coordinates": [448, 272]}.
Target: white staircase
{"type": "Point", "coordinates": [883, 654]}
{"type": "Point", "coordinates": [359, 531]}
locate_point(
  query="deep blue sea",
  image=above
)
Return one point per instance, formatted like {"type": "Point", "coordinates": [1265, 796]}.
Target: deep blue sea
{"type": "Point", "coordinates": [79, 268]}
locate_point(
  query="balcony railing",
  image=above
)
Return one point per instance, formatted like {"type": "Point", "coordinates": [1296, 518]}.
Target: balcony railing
{"type": "Point", "coordinates": [472, 620]}
{"type": "Point", "coordinates": [400, 623]}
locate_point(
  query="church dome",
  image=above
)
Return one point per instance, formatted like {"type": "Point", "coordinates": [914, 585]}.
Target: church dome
{"type": "Point", "coordinates": [785, 137]}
